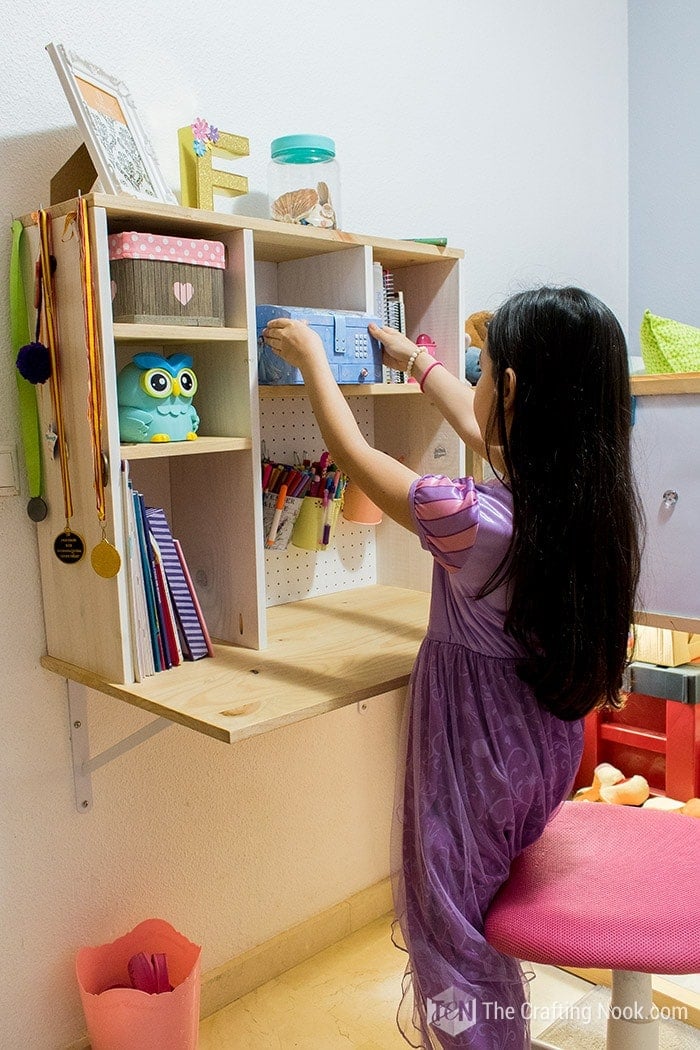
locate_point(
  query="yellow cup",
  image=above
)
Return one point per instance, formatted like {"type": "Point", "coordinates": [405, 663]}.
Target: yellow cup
{"type": "Point", "coordinates": [316, 523]}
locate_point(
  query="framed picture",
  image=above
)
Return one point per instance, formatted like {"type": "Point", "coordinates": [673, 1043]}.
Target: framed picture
{"type": "Point", "coordinates": [118, 146]}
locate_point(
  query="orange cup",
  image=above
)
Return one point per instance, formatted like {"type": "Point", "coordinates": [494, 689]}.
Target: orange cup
{"type": "Point", "coordinates": [359, 508]}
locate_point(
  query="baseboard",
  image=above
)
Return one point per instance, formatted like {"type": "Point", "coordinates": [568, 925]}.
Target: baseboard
{"type": "Point", "coordinates": [268, 960]}
{"type": "Point", "coordinates": [245, 972]}
{"type": "Point", "coordinates": [666, 994]}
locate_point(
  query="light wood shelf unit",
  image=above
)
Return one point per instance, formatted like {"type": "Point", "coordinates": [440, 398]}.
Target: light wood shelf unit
{"type": "Point", "coordinates": [363, 640]}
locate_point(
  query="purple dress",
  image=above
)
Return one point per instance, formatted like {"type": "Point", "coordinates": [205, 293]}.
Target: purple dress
{"type": "Point", "coordinates": [486, 767]}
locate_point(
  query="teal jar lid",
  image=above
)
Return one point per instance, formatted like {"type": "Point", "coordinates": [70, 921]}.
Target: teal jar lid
{"type": "Point", "coordinates": [302, 149]}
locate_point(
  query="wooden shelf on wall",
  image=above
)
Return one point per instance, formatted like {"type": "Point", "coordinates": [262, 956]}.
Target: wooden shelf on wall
{"type": "Point", "coordinates": [168, 449]}
{"type": "Point", "coordinates": [274, 241]}
{"type": "Point", "coordinates": [324, 653]}
{"type": "Point", "coordinates": [174, 333]}
{"type": "Point", "coordinates": [666, 383]}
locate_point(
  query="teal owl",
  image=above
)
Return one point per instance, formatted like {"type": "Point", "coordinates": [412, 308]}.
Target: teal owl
{"type": "Point", "coordinates": [155, 399]}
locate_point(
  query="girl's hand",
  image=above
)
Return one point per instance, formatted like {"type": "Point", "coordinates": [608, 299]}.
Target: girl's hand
{"type": "Point", "coordinates": [397, 348]}
{"type": "Point", "coordinates": [294, 341]}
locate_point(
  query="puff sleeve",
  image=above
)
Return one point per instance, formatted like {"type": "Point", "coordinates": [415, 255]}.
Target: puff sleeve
{"type": "Point", "coordinates": [446, 513]}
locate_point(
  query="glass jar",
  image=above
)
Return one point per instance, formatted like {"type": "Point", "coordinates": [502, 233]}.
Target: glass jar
{"type": "Point", "coordinates": [304, 181]}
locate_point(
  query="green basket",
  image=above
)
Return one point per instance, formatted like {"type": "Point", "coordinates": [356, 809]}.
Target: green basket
{"type": "Point", "coordinates": [669, 346]}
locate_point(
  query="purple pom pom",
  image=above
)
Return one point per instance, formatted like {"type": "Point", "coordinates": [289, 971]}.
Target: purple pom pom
{"type": "Point", "coordinates": [34, 362]}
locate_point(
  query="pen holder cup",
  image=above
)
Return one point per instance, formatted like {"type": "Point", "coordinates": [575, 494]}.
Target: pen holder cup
{"type": "Point", "coordinates": [313, 518]}
{"type": "Point", "coordinates": [290, 512]}
{"type": "Point", "coordinates": [120, 1017]}
{"type": "Point", "coordinates": [359, 508]}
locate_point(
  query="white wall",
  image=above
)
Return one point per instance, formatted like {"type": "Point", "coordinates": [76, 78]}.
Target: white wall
{"type": "Point", "coordinates": [664, 161]}
{"type": "Point", "coordinates": [501, 125]}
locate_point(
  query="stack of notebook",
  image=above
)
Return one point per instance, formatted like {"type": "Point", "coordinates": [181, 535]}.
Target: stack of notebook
{"type": "Point", "coordinates": [167, 622]}
{"type": "Point", "coordinates": [389, 305]}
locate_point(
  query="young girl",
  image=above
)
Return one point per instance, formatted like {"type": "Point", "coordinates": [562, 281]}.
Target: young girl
{"type": "Point", "coordinates": [533, 586]}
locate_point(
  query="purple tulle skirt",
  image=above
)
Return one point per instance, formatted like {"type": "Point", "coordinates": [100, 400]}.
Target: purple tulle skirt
{"type": "Point", "coordinates": [485, 769]}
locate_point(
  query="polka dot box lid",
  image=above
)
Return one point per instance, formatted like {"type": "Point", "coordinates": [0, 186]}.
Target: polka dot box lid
{"type": "Point", "coordinates": [167, 249]}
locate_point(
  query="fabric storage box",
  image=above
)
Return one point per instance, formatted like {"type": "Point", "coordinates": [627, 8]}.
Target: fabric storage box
{"type": "Point", "coordinates": [166, 280]}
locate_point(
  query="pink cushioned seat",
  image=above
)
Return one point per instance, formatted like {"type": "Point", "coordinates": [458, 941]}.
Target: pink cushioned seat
{"type": "Point", "coordinates": [612, 887]}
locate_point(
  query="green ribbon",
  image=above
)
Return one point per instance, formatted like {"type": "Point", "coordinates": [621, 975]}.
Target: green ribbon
{"type": "Point", "coordinates": [21, 335]}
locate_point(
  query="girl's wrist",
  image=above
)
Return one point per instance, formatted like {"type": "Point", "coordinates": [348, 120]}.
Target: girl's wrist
{"type": "Point", "coordinates": [426, 372]}
{"type": "Point", "coordinates": [421, 361]}
{"type": "Point", "coordinates": [411, 363]}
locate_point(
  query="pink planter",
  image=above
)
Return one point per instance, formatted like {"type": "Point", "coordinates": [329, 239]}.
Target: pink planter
{"type": "Point", "coordinates": [122, 1018]}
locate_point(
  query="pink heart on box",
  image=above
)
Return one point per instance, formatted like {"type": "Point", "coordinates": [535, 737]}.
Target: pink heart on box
{"type": "Point", "coordinates": [114, 290]}
{"type": "Point", "coordinates": [183, 292]}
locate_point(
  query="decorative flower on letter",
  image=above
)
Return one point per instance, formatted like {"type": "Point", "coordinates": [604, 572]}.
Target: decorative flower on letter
{"type": "Point", "coordinates": [205, 136]}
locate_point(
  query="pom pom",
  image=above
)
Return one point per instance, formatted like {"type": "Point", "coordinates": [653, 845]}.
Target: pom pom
{"type": "Point", "coordinates": [34, 362]}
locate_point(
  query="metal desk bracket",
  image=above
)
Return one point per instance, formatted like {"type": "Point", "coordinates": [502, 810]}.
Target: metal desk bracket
{"type": "Point", "coordinates": [83, 765]}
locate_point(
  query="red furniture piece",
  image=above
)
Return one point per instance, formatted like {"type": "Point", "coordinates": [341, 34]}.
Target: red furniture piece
{"type": "Point", "coordinates": [612, 887]}
{"type": "Point", "coordinates": [657, 733]}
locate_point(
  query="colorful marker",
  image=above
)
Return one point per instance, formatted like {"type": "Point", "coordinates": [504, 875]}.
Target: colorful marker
{"type": "Point", "coordinates": [279, 507]}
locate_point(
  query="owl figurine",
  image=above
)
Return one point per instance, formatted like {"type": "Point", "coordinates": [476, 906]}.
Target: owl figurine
{"type": "Point", "coordinates": [155, 399]}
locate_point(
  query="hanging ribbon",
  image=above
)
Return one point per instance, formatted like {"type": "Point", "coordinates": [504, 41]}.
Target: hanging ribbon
{"type": "Point", "coordinates": [105, 558]}
{"type": "Point", "coordinates": [28, 412]}
{"type": "Point", "coordinates": [69, 547]}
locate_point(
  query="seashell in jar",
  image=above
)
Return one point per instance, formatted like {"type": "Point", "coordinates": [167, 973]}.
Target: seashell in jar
{"type": "Point", "coordinates": [295, 205]}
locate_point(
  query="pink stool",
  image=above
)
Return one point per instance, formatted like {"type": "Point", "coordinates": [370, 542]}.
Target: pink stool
{"type": "Point", "coordinates": [613, 887]}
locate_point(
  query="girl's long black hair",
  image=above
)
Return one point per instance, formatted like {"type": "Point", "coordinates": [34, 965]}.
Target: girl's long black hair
{"type": "Point", "coordinates": [573, 562]}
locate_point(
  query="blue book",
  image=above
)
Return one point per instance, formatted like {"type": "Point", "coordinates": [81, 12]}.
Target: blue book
{"type": "Point", "coordinates": [149, 585]}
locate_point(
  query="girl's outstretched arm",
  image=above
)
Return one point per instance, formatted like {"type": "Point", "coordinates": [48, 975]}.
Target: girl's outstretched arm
{"type": "Point", "coordinates": [382, 478]}
{"type": "Point", "coordinates": [452, 398]}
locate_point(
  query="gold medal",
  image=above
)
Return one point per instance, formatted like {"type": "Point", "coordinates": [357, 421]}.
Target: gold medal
{"type": "Point", "coordinates": [105, 559]}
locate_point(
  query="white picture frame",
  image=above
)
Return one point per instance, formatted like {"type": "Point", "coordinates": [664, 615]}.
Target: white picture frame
{"type": "Point", "coordinates": [115, 139]}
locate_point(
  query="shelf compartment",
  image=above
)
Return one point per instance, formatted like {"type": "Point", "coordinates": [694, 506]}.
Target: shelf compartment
{"type": "Point", "coordinates": [325, 653]}
{"type": "Point", "coordinates": [168, 449]}
{"type": "Point", "coordinates": [175, 333]}
{"type": "Point", "coordinates": [348, 389]}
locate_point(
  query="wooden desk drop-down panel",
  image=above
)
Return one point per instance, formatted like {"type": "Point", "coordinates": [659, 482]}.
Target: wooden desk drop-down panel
{"type": "Point", "coordinates": [324, 653]}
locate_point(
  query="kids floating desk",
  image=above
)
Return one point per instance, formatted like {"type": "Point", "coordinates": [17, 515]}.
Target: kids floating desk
{"type": "Point", "coordinates": [296, 632]}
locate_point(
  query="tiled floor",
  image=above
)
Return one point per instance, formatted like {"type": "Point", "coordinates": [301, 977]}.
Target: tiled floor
{"type": "Point", "coordinates": [345, 998]}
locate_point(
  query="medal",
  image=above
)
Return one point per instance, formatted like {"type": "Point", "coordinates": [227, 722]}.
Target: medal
{"type": "Point", "coordinates": [37, 509]}
{"type": "Point", "coordinates": [68, 546]}
{"type": "Point", "coordinates": [28, 412]}
{"type": "Point", "coordinates": [104, 558]}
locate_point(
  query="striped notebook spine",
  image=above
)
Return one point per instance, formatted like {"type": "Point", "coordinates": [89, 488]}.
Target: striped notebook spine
{"type": "Point", "coordinates": [193, 638]}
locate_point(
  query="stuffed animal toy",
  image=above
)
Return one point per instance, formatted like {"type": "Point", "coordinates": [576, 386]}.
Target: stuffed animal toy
{"type": "Point", "coordinates": [611, 786]}
{"type": "Point", "coordinates": [474, 339]}
{"type": "Point", "coordinates": [476, 326]}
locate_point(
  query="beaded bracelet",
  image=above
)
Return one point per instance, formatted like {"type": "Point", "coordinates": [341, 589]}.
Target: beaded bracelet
{"type": "Point", "coordinates": [411, 361]}
{"type": "Point", "coordinates": [427, 373]}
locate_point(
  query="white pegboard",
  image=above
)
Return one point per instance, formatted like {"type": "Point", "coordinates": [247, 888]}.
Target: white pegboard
{"type": "Point", "coordinates": [290, 433]}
